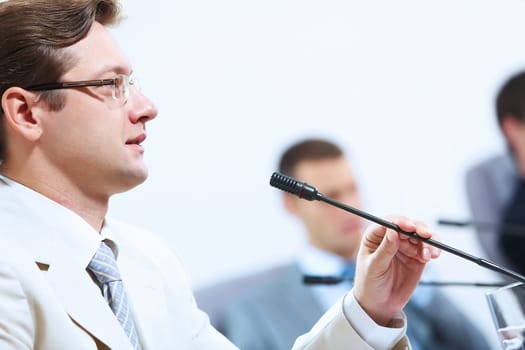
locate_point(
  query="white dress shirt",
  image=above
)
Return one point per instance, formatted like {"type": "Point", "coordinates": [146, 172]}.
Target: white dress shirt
{"type": "Point", "coordinates": [314, 261]}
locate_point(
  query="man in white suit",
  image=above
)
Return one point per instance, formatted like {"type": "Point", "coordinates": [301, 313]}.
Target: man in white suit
{"type": "Point", "coordinates": [71, 128]}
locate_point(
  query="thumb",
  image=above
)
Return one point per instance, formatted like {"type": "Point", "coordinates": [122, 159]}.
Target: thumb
{"type": "Point", "coordinates": [388, 248]}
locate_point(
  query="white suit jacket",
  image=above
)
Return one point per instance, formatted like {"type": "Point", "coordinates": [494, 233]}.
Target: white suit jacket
{"type": "Point", "coordinates": [49, 301]}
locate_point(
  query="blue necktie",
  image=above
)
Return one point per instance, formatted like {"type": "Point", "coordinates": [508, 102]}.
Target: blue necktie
{"type": "Point", "coordinates": [348, 272]}
{"type": "Point", "coordinates": [104, 268]}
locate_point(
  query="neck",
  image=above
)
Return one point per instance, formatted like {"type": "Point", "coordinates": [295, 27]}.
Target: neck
{"type": "Point", "coordinates": [92, 208]}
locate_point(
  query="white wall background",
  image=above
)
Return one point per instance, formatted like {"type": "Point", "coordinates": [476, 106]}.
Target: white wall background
{"type": "Point", "coordinates": [407, 86]}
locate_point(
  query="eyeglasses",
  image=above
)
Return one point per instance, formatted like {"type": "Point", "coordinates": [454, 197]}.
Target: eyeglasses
{"type": "Point", "coordinates": [120, 86]}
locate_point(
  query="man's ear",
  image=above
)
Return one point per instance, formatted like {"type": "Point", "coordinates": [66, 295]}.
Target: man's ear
{"type": "Point", "coordinates": [289, 202]}
{"type": "Point", "coordinates": [20, 112]}
{"type": "Point", "coordinates": [509, 127]}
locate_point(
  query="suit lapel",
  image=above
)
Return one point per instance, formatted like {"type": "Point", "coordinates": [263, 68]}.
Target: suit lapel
{"type": "Point", "coordinates": [279, 298]}
{"type": "Point", "coordinates": [85, 304]}
{"type": "Point", "coordinates": [303, 301]}
{"type": "Point", "coordinates": [53, 238]}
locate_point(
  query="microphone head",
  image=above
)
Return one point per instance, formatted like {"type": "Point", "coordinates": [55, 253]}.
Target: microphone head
{"type": "Point", "coordinates": [290, 185]}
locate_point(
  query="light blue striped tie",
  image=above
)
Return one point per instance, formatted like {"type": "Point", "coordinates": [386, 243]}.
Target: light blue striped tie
{"type": "Point", "coordinates": [104, 267]}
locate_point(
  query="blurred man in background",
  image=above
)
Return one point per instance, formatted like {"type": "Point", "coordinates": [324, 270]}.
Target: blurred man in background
{"type": "Point", "coordinates": [496, 185]}
{"type": "Point", "coordinates": [278, 306]}
{"type": "Point", "coordinates": [510, 109]}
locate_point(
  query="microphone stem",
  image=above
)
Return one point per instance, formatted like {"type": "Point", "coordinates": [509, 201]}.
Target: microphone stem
{"type": "Point", "coordinates": [482, 262]}
{"type": "Point", "coordinates": [484, 226]}
{"type": "Point", "coordinates": [312, 279]}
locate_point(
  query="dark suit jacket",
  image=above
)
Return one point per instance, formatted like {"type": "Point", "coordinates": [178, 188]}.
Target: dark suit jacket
{"type": "Point", "coordinates": [271, 314]}
{"type": "Point", "coordinates": [490, 185]}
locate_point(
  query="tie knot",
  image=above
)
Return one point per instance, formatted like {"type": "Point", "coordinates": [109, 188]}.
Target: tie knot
{"type": "Point", "coordinates": [103, 265]}
{"type": "Point", "coordinates": [348, 271]}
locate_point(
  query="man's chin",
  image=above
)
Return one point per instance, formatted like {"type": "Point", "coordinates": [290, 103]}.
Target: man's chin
{"type": "Point", "coordinates": [132, 180]}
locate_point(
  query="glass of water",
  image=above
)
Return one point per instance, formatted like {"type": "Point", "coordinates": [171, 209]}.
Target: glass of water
{"type": "Point", "coordinates": [507, 307]}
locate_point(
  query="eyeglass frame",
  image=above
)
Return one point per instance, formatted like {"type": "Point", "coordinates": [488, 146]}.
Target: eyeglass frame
{"type": "Point", "coordinates": [89, 83]}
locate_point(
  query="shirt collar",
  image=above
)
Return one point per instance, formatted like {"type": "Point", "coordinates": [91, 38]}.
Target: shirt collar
{"type": "Point", "coordinates": [318, 262]}
{"type": "Point", "coordinates": [107, 235]}
{"type": "Point", "coordinates": [66, 227]}
{"type": "Point", "coordinates": [315, 261]}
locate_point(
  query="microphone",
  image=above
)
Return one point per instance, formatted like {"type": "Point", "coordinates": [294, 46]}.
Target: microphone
{"type": "Point", "coordinates": [485, 226]}
{"type": "Point", "coordinates": [466, 223]}
{"type": "Point", "coordinates": [327, 280]}
{"type": "Point", "coordinates": [308, 192]}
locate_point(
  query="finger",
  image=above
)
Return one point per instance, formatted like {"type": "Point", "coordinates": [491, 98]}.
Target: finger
{"type": "Point", "coordinates": [410, 249]}
{"type": "Point", "coordinates": [418, 250]}
{"type": "Point", "coordinates": [423, 230]}
{"type": "Point", "coordinates": [388, 248]}
{"type": "Point", "coordinates": [406, 225]}
{"type": "Point", "coordinates": [373, 237]}
{"type": "Point", "coordinates": [426, 251]}
{"type": "Point", "coordinates": [414, 251]}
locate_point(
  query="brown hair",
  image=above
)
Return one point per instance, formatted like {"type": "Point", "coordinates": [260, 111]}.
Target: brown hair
{"type": "Point", "coordinates": [34, 37]}
{"type": "Point", "coordinates": [510, 101]}
{"type": "Point", "coordinates": [308, 149]}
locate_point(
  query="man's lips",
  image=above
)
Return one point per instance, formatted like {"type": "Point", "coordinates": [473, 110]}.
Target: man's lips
{"type": "Point", "coordinates": [351, 226]}
{"type": "Point", "coordinates": [136, 140]}
{"type": "Point", "coordinates": [135, 143]}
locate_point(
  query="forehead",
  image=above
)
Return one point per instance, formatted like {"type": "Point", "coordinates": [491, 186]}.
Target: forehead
{"type": "Point", "coordinates": [97, 54]}
{"type": "Point", "coordinates": [326, 172]}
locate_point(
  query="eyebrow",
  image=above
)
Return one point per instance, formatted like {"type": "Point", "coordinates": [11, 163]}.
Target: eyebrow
{"type": "Point", "coordinates": [113, 69]}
